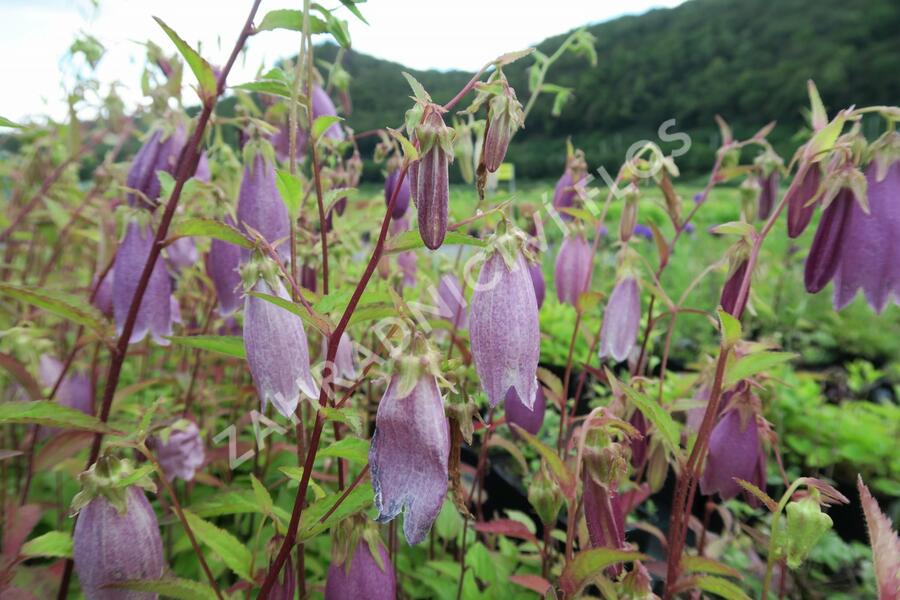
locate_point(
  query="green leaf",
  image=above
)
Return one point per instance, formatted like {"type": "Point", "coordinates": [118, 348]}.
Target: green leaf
{"type": "Point", "coordinates": [4, 122]}
{"type": "Point", "coordinates": [410, 152]}
{"type": "Point", "coordinates": [321, 124]}
{"type": "Point", "coordinates": [346, 416]}
{"type": "Point", "coordinates": [231, 550]}
{"type": "Point", "coordinates": [653, 412]}
{"type": "Point", "coordinates": [729, 327]}
{"type": "Point", "coordinates": [741, 228]}
{"type": "Point", "coordinates": [296, 473]}
{"type": "Point", "coordinates": [170, 587]}
{"type": "Point", "coordinates": [357, 500]}
{"type": "Point", "coordinates": [824, 140]}
{"type": "Point", "coordinates": [354, 449]}
{"type": "Point", "coordinates": [410, 240]}
{"type": "Point", "coordinates": [50, 414]}
{"type": "Point", "coordinates": [197, 227]}
{"type": "Point", "coordinates": [262, 495]}
{"type": "Point", "coordinates": [229, 345]}
{"type": "Point", "coordinates": [134, 476]}
{"type": "Point", "coordinates": [753, 364]}
{"type": "Point", "coordinates": [314, 319]}
{"type": "Point", "coordinates": [290, 190]}
{"type": "Point", "coordinates": [59, 304]}
{"type": "Point", "coordinates": [53, 544]}
{"type": "Point", "coordinates": [233, 503]}
{"type": "Point", "coordinates": [268, 86]}
{"type": "Point", "coordinates": [351, 6]}
{"type": "Point", "coordinates": [702, 564]}
{"type": "Point", "coordinates": [591, 563]}
{"type": "Point", "coordinates": [201, 68]}
{"type": "Point", "coordinates": [561, 472]}
{"type": "Point", "coordinates": [417, 88]}
{"type": "Point", "coordinates": [721, 587]}
{"type": "Point", "coordinates": [817, 107]}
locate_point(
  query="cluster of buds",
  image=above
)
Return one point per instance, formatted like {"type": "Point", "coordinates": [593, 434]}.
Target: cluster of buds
{"type": "Point", "coordinates": [505, 117]}
{"type": "Point", "coordinates": [409, 455]}
{"type": "Point", "coordinates": [504, 329]}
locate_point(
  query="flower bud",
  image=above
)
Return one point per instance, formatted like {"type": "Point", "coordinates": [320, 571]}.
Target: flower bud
{"type": "Point", "coordinates": [260, 206]}
{"type": "Point", "coordinates": [504, 118]}
{"type": "Point", "coordinates": [116, 537]}
{"type": "Point", "coordinates": [618, 332]}
{"type": "Point", "coordinates": [277, 350]}
{"type": "Point", "coordinates": [869, 253]}
{"type": "Point", "coordinates": [367, 574]}
{"type": "Point", "coordinates": [800, 211]}
{"type": "Point", "coordinates": [574, 268]}
{"type": "Point", "coordinates": [537, 280]}
{"type": "Point", "coordinates": [639, 445]}
{"type": "Point", "coordinates": [768, 194]}
{"type": "Point", "coordinates": [179, 450]}
{"type": "Point", "coordinates": [571, 184]}
{"type": "Point", "coordinates": [155, 311]}
{"type": "Point", "coordinates": [409, 454]}
{"type": "Point", "coordinates": [504, 331]}
{"type": "Point", "coordinates": [285, 585]}
{"type": "Point", "coordinates": [103, 297]}
{"type": "Point", "coordinates": [825, 253]}
{"type": "Point", "coordinates": [604, 517]}
{"type": "Point", "coordinates": [429, 178]}
{"type": "Point", "coordinates": [322, 106]}
{"type": "Point", "coordinates": [545, 496]}
{"type": "Point", "coordinates": [732, 288]}
{"type": "Point", "coordinates": [749, 194]}
{"type": "Point", "coordinates": [529, 419]}
{"type": "Point", "coordinates": [308, 277]}
{"type": "Point", "coordinates": [222, 267]}
{"type": "Point", "coordinates": [159, 153]}
{"type": "Point", "coordinates": [805, 526]}
{"type": "Point", "coordinates": [452, 301]}
{"type": "Point", "coordinates": [401, 203]}
{"type": "Point", "coordinates": [628, 221]}
{"type": "Point", "coordinates": [734, 453]}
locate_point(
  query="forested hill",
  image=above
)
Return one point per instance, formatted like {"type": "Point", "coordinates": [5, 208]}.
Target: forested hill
{"type": "Point", "coordinates": [747, 60]}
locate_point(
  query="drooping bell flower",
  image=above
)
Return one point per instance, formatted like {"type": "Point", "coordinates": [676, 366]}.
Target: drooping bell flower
{"type": "Point", "coordinates": [362, 575]}
{"type": "Point", "coordinates": [75, 389]}
{"type": "Point", "coordinates": [621, 320]}
{"type": "Point", "coordinates": [155, 312]}
{"type": "Point", "coordinates": [103, 297]}
{"type": "Point", "coordinates": [505, 117]}
{"type": "Point", "coordinates": [825, 251]}
{"type": "Point", "coordinates": [222, 266]}
{"type": "Point", "coordinates": [574, 268]}
{"type": "Point", "coordinates": [285, 585]}
{"type": "Point", "coordinates": [504, 331]}
{"type": "Point", "coordinates": [308, 277]}
{"type": "Point", "coordinates": [537, 279]}
{"type": "Point", "coordinates": [800, 210]}
{"type": "Point", "coordinates": [159, 153]}
{"type": "Point", "coordinates": [429, 177]}
{"type": "Point", "coordinates": [452, 302]}
{"type": "Point", "coordinates": [179, 450]}
{"type": "Point", "coordinates": [344, 360]}
{"type": "Point", "coordinates": [322, 106]}
{"type": "Point", "coordinates": [734, 452]}
{"type": "Point", "coordinates": [116, 537]}
{"type": "Point", "coordinates": [768, 194]}
{"type": "Point", "coordinates": [639, 445]}
{"type": "Point", "coordinates": [571, 184]}
{"type": "Point", "coordinates": [281, 142]}
{"type": "Point", "coordinates": [182, 253]}
{"type": "Point", "coordinates": [410, 450]}
{"type": "Point", "coordinates": [529, 419]}
{"type": "Point", "coordinates": [604, 516]}
{"type": "Point", "coordinates": [407, 263]}
{"type": "Point", "coordinates": [401, 203]}
{"type": "Point", "coordinates": [870, 257]}
{"type": "Point", "coordinates": [259, 204]}
{"type": "Point", "coordinates": [276, 347]}
{"type": "Point", "coordinates": [732, 288]}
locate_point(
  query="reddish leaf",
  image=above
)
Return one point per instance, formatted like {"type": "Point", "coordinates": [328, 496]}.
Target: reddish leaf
{"type": "Point", "coordinates": [506, 527]}
{"type": "Point", "coordinates": [63, 445]}
{"type": "Point", "coordinates": [590, 564]}
{"type": "Point", "coordinates": [535, 583]}
{"type": "Point", "coordinates": [20, 521]}
{"type": "Point", "coordinates": [21, 375]}
{"type": "Point", "coordinates": [885, 545]}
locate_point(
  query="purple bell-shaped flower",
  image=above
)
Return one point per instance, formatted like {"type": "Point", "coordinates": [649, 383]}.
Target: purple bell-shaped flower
{"type": "Point", "coordinates": [159, 153]}
{"type": "Point", "coordinates": [537, 279]}
{"type": "Point", "coordinates": [362, 575]}
{"type": "Point", "coordinates": [574, 268]}
{"type": "Point", "coordinates": [260, 206]}
{"type": "Point", "coordinates": [430, 178]}
{"type": "Point", "coordinates": [322, 106]}
{"type": "Point", "coordinates": [800, 211]}
{"type": "Point", "coordinates": [401, 203]}
{"type": "Point", "coordinates": [222, 266]}
{"type": "Point", "coordinates": [734, 453]}
{"type": "Point", "coordinates": [529, 419]}
{"type": "Point", "coordinates": [452, 302]}
{"type": "Point", "coordinates": [180, 450]}
{"type": "Point", "coordinates": [621, 320]}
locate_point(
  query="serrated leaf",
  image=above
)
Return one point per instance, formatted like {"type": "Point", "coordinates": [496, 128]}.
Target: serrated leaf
{"type": "Point", "coordinates": [720, 587]}
{"type": "Point", "coordinates": [196, 227]}
{"type": "Point", "coordinates": [233, 503]}
{"type": "Point", "coordinates": [346, 416]}
{"type": "Point", "coordinates": [290, 190]}
{"type": "Point", "coordinates": [511, 57]}
{"type": "Point", "coordinates": [322, 123]}
{"type": "Point", "coordinates": [411, 240]}
{"type": "Point", "coordinates": [824, 140]}
{"type": "Point", "coordinates": [653, 412]}
{"type": "Point", "coordinates": [290, 19]}
{"type": "Point", "coordinates": [50, 414]}
{"type": "Point", "coordinates": [741, 228]}
{"type": "Point", "coordinates": [357, 500]}
{"type": "Point", "coordinates": [885, 542]}
{"type": "Point", "coordinates": [296, 473]}
{"type": "Point", "coordinates": [314, 319]}
{"type": "Point", "coordinates": [4, 122]}
{"type": "Point", "coordinates": [53, 544]}
{"type": "Point", "coordinates": [61, 305]}
{"type": "Point", "coordinates": [507, 527]}
{"type": "Point", "coordinates": [134, 476]}
{"type": "Point", "coordinates": [702, 564]}
{"type": "Point", "coordinates": [169, 587]}
{"type": "Point", "coordinates": [560, 471]}
{"type": "Point", "coordinates": [60, 447]}
{"type": "Point", "coordinates": [351, 448]}
{"type": "Point", "coordinates": [410, 152]}
{"type": "Point", "coordinates": [231, 550]}
{"type": "Point", "coordinates": [753, 364]}
{"type": "Point", "coordinates": [202, 71]}
{"type": "Point", "coordinates": [729, 328]}
{"type": "Point", "coordinates": [262, 495]}
{"type": "Point", "coordinates": [417, 88]}
{"type": "Point", "coordinates": [229, 345]}
{"type": "Point", "coordinates": [591, 563]}
{"type": "Point", "coordinates": [351, 6]}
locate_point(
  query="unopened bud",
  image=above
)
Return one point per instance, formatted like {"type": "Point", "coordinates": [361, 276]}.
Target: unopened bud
{"type": "Point", "coordinates": [806, 524]}
{"type": "Point", "coordinates": [545, 496]}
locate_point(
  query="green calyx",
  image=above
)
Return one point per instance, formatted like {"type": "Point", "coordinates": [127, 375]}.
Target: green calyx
{"type": "Point", "coordinates": [259, 267]}
{"type": "Point", "coordinates": [805, 525]}
{"type": "Point", "coordinates": [110, 477]}
{"type": "Point", "coordinates": [545, 496]}
{"type": "Point", "coordinates": [433, 131]}
{"type": "Point", "coordinates": [411, 364]}
{"type": "Point", "coordinates": [348, 535]}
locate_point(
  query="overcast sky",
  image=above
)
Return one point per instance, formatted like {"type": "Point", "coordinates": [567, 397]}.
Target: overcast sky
{"type": "Point", "coordinates": [421, 34]}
